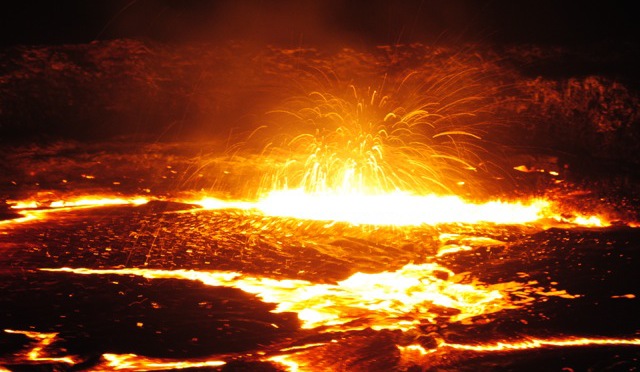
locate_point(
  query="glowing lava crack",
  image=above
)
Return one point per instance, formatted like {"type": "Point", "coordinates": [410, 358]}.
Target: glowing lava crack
{"type": "Point", "coordinates": [401, 299]}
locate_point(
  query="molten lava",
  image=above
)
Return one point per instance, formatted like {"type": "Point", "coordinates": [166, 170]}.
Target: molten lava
{"type": "Point", "coordinates": [380, 157]}
{"type": "Point", "coordinates": [36, 209]}
{"type": "Point", "coordinates": [391, 209]}
{"type": "Point", "coordinates": [396, 208]}
{"type": "Point", "coordinates": [400, 300]}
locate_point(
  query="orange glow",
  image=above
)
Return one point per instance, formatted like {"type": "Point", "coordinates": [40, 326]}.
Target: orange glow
{"type": "Point", "coordinates": [287, 362]}
{"type": "Point", "coordinates": [392, 209]}
{"type": "Point", "coordinates": [37, 353]}
{"type": "Point", "coordinates": [36, 210]}
{"type": "Point", "coordinates": [133, 362]}
{"type": "Point", "coordinates": [87, 201]}
{"type": "Point", "coordinates": [112, 362]}
{"type": "Point", "coordinates": [396, 300]}
{"type": "Point", "coordinates": [390, 154]}
{"type": "Point", "coordinates": [418, 355]}
{"type": "Point", "coordinates": [399, 209]}
{"type": "Point", "coordinates": [629, 296]}
{"type": "Point", "coordinates": [402, 154]}
{"type": "Point", "coordinates": [211, 203]}
{"type": "Point", "coordinates": [396, 208]}
{"type": "Point", "coordinates": [591, 221]}
{"type": "Point", "coordinates": [537, 343]}
{"type": "Point", "coordinates": [419, 133]}
{"type": "Point", "coordinates": [526, 344]}
{"type": "Point", "coordinates": [386, 155]}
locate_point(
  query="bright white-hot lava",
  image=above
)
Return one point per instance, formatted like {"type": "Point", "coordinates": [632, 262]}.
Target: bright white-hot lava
{"type": "Point", "coordinates": [391, 209]}
{"type": "Point", "coordinates": [398, 209]}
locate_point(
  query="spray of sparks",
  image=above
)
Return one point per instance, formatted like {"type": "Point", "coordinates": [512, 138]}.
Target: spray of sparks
{"type": "Point", "coordinates": [369, 158]}
{"type": "Point", "coordinates": [384, 155]}
{"type": "Point", "coordinates": [347, 140]}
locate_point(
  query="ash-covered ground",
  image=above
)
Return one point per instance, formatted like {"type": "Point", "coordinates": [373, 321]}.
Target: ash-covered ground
{"type": "Point", "coordinates": [129, 118]}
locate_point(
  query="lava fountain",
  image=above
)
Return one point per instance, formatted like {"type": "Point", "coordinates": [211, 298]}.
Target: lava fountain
{"type": "Point", "coordinates": [396, 172]}
{"type": "Point", "coordinates": [419, 134]}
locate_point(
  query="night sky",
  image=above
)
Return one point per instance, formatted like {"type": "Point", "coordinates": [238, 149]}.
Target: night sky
{"type": "Point", "coordinates": [311, 23]}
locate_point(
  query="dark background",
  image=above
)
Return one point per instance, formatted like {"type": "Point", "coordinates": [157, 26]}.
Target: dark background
{"type": "Point", "coordinates": [308, 23]}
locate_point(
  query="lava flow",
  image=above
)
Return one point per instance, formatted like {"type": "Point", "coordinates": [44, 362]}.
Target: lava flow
{"type": "Point", "coordinates": [399, 300]}
{"type": "Point", "coordinates": [35, 209]}
{"type": "Point", "coordinates": [371, 239]}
